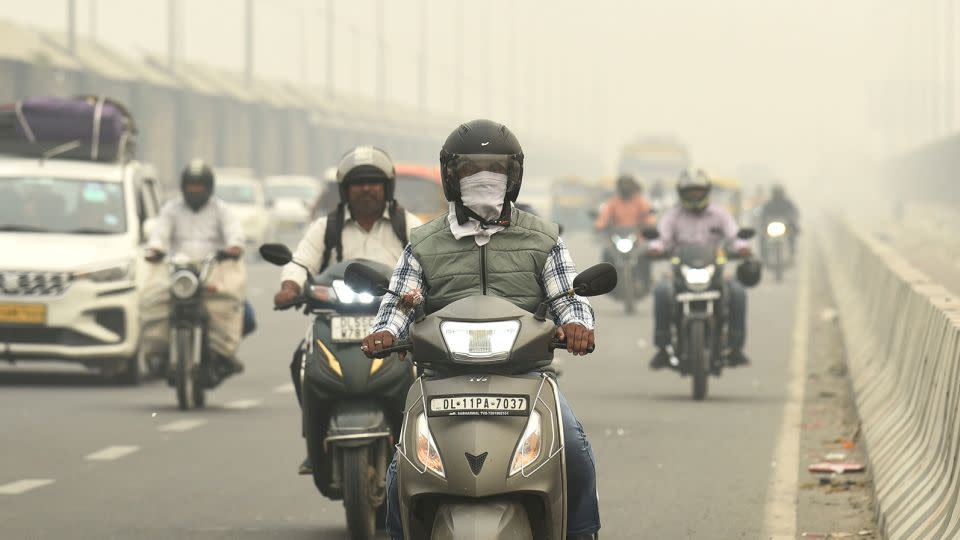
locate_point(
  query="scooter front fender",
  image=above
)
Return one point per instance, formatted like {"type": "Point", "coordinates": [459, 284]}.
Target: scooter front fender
{"type": "Point", "coordinates": [482, 520]}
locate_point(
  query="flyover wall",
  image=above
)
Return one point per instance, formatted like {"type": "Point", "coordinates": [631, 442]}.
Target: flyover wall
{"type": "Point", "coordinates": [902, 334]}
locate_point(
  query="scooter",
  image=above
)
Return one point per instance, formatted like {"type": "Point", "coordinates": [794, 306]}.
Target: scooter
{"type": "Point", "coordinates": [351, 403]}
{"type": "Point", "coordinates": [481, 451]}
{"type": "Point", "coordinates": [624, 250]}
{"type": "Point", "coordinates": [193, 367]}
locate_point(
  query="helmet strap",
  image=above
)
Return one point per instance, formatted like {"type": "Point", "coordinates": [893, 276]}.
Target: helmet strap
{"type": "Point", "coordinates": [465, 214]}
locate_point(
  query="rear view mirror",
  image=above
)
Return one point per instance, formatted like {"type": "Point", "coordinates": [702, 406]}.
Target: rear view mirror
{"type": "Point", "coordinates": [361, 278]}
{"type": "Point", "coordinates": [651, 233]}
{"type": "Point", "coordinates": [596, 280]}
{"type": "Point", "coordinates": [277, 254]}
{"type": "Point", "coordinates": [746, 233]}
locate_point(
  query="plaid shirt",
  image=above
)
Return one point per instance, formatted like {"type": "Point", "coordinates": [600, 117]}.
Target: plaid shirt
{"type": "Point", "coordinates": [558, 274]}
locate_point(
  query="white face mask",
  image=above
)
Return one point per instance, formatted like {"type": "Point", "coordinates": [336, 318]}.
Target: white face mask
{"type": "Point", "coordinates": [484, 193]}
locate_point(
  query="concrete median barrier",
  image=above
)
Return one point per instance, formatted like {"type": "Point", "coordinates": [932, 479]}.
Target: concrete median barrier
{"type": "Point", "coordinates": [902, 334]}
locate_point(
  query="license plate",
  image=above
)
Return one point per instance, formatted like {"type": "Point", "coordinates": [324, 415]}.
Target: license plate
{"type": "Point", "coordinates": [23, 313]}
{"type": "Point", "coordinates": [698, 297]}
{"type": "Point", "coordinates": [350, 329]}
{"type": "Point", "coordinates": [479, 405]}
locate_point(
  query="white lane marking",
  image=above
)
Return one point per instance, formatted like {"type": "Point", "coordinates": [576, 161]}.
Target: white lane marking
{"type": "Point", "coordinates": [780, 514]}
{"type": "Point", "coordinates": [284, 389]}
{"type": "Point", "coordinates": [23, 486]}
{"type": "Point", "coordinates": [182, 425]}
{"type": "Point", "coordinates": [111, 453]}
{"type": "Point", "coordinates": [243, 404]}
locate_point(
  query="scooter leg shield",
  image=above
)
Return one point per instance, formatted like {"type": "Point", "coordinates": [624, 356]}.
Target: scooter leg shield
{"type": "Point", "coordinates": [498, 521]}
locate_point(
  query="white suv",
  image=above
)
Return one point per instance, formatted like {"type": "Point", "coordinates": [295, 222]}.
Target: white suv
{"type": "Point", "coordinates": [71, 269]}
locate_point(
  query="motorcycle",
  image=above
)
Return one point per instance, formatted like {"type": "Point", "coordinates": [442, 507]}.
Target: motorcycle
{"type": "Point", "coordinates": [624, 250]}
{"type": "Point", "coordinates": [700, 325]}
{"type": "Point", "coordinates": [481, 451]}
{"type": "Point", "coordinates": [348, 413]}
{"type": "Point", "coordinates": [774, 247]}
{"type": "Point", "coordinates": [193, 367]}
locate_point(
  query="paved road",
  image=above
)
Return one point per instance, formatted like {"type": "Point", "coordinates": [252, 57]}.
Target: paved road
{"type": "Point", "coordinates": [113, 462]}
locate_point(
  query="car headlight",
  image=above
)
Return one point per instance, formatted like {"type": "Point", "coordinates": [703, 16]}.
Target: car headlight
{"type": "Point", "coordinates": [624, 244]}
{"type": "Point", "coordinates": [528, 449]}
{"type": "Point", "coordinates": [347, 295]}
{"type": "Point", "coordinates": [116, 272]}
{"type": "Point", "coordinates": [184, 284]}
{"type": "Point", "coordinates": [698, 277]}
{"type": "Point", "coordinates": [488, 341]}
{"type": "Point", "coordinates": [427, 452]}
{"type": "Point", "coordinates": [776, 229]}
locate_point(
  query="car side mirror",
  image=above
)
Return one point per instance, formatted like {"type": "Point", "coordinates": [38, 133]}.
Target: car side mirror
{"type": "Point", "coordinates": [596, 280]}
{"type": "Point", "coordinates": [277, 254]}
{"type": "Point", "coordinates": [361, 278]}
{"type": "Point", "coordinates": [651, 233]}
{"type": "Point", "coordinates": [746, 233]}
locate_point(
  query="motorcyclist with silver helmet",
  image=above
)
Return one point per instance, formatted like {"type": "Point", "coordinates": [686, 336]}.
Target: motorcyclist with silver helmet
{"type": "Point", "coordinates": [485, 245]}
{"type": "Point", "coordinates": [367, 223]}
{"type": "Point", "coordinates": [696, 221]}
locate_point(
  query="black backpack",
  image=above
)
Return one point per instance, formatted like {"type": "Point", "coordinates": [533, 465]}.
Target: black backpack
{"type": "Point", "coordinates": [334, 231]}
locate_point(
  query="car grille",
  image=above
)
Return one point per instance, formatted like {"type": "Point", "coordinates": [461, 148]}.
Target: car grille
{"type": "Point", "coordinates": [34, 283]}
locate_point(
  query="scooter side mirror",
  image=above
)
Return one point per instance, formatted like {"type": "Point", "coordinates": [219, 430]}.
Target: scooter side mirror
{"type": "Point", "coordinates": [596, 280]}
{"type": "Point", "coordinates": [746, 233]}
{"type": "Point", "coordinates": [277, 254]}
{"type": "Point", "coordinates": [361, 278]}
{"type": "Point", "coordinates": [651, 233]}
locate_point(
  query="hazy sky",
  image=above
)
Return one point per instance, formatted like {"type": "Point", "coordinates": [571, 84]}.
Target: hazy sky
{"type": "Point", "coordinates": [742, 81]}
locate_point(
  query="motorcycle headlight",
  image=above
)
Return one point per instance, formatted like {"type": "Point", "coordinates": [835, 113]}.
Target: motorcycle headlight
{"type": "Point", "coordinates": [184, 284]}
{"type": "Point", "coordinates": [347, 295]}
{"type": "Point", "coordinates": [624, 245]}
{"type": "Point", "coordinates": [122, 271]}
{"type": "Point", "coordinates": [776, 229]}
{"type": "Point", "coordinates": [528, 449]}
{"type": "Point", "coordinates": [489, 341]}
{"type": "Point", "coordinates": [698, 277]}
{"type": "Point", "coordinates": [427, 452]}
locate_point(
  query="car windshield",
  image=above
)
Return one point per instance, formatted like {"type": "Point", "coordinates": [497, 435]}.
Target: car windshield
{"type": "Point", "coordinates": [292, 191]}
{"type": "Point", "coordinates": [420, 195]}
{"type": "Point", "coordinates": [61, 205]}
{"type": "Point", "coordinates": [237, 193]}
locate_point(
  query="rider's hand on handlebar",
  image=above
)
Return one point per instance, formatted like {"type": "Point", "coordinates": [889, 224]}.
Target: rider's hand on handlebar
{"type": "Point", "coordinates": [743, 252]}
{"type": "Point", "coordinates": [153, 255]}
{"type": "Point", "coordinates": [579, 338]}
{"type": "Point", "coordinates": [377, 342]}
{"type": "Point", "coordinates": [234, 252]}
{"type": "Point", "coordinates": [289, 291]}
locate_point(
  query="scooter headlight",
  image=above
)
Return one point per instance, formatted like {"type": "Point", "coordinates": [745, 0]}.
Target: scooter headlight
{"type": "Point", "coordinates": [528, 449]}
{"type": "Point", "coordinates": [427, 452]}
{"type": "Point", "coordinates": [184, 284]}
{"type": "Point", "coordinates": [698, 278]}
{"type": "Point", "coordinates": [624, 244]}
{"type": "Point", "coordinates": [487, 342]}
{"type": "Point", "coordinates": [346, 295]}
{"type": "Point", "coordinates": [776, 229]}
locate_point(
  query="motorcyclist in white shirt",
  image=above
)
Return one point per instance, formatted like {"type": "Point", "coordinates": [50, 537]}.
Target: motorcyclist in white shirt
{"type": "Point", "coordinates": [367, 223]}
{"type": "Point", "coordinates": [198, 224]}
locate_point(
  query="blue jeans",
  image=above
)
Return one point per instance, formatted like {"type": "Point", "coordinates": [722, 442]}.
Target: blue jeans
{"type": "Point", "coordinates": [583, 507]}
{"type": "Point", "coordinates": [663, 304]}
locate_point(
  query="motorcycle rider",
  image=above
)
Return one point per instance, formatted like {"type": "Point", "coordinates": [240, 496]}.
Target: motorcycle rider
{"type": "Point", "coordinates": [696, 221]}
{"type": "Point", "coordinates": [198, 224]}
{"type": "Point", "coordinates": [367, 223]}
{"type": "Point", "coordinates": [780, 207]}
{"type": "Point", "coordinates": [626, 208]}
{"type": "Point", "coordinates": [525, 261]}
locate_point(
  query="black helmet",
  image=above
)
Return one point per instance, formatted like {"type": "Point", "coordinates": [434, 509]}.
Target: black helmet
{"type": "Point", "coordinates": [481, 145]}
{"type": "Point", "coordinates": [197, 172]}
{"type": "Point", "coordinates": [748, 272]}
{"type": "Point", "coordinates": [690, 181]}
{"type": "Point", "coordinates": [627, 186]}
{"type": "Point", "coordinates": [366, 164]}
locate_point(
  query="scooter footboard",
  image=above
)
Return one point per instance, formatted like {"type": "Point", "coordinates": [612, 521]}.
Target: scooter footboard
{"type": "Point", "coordinates": [482, 520]}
